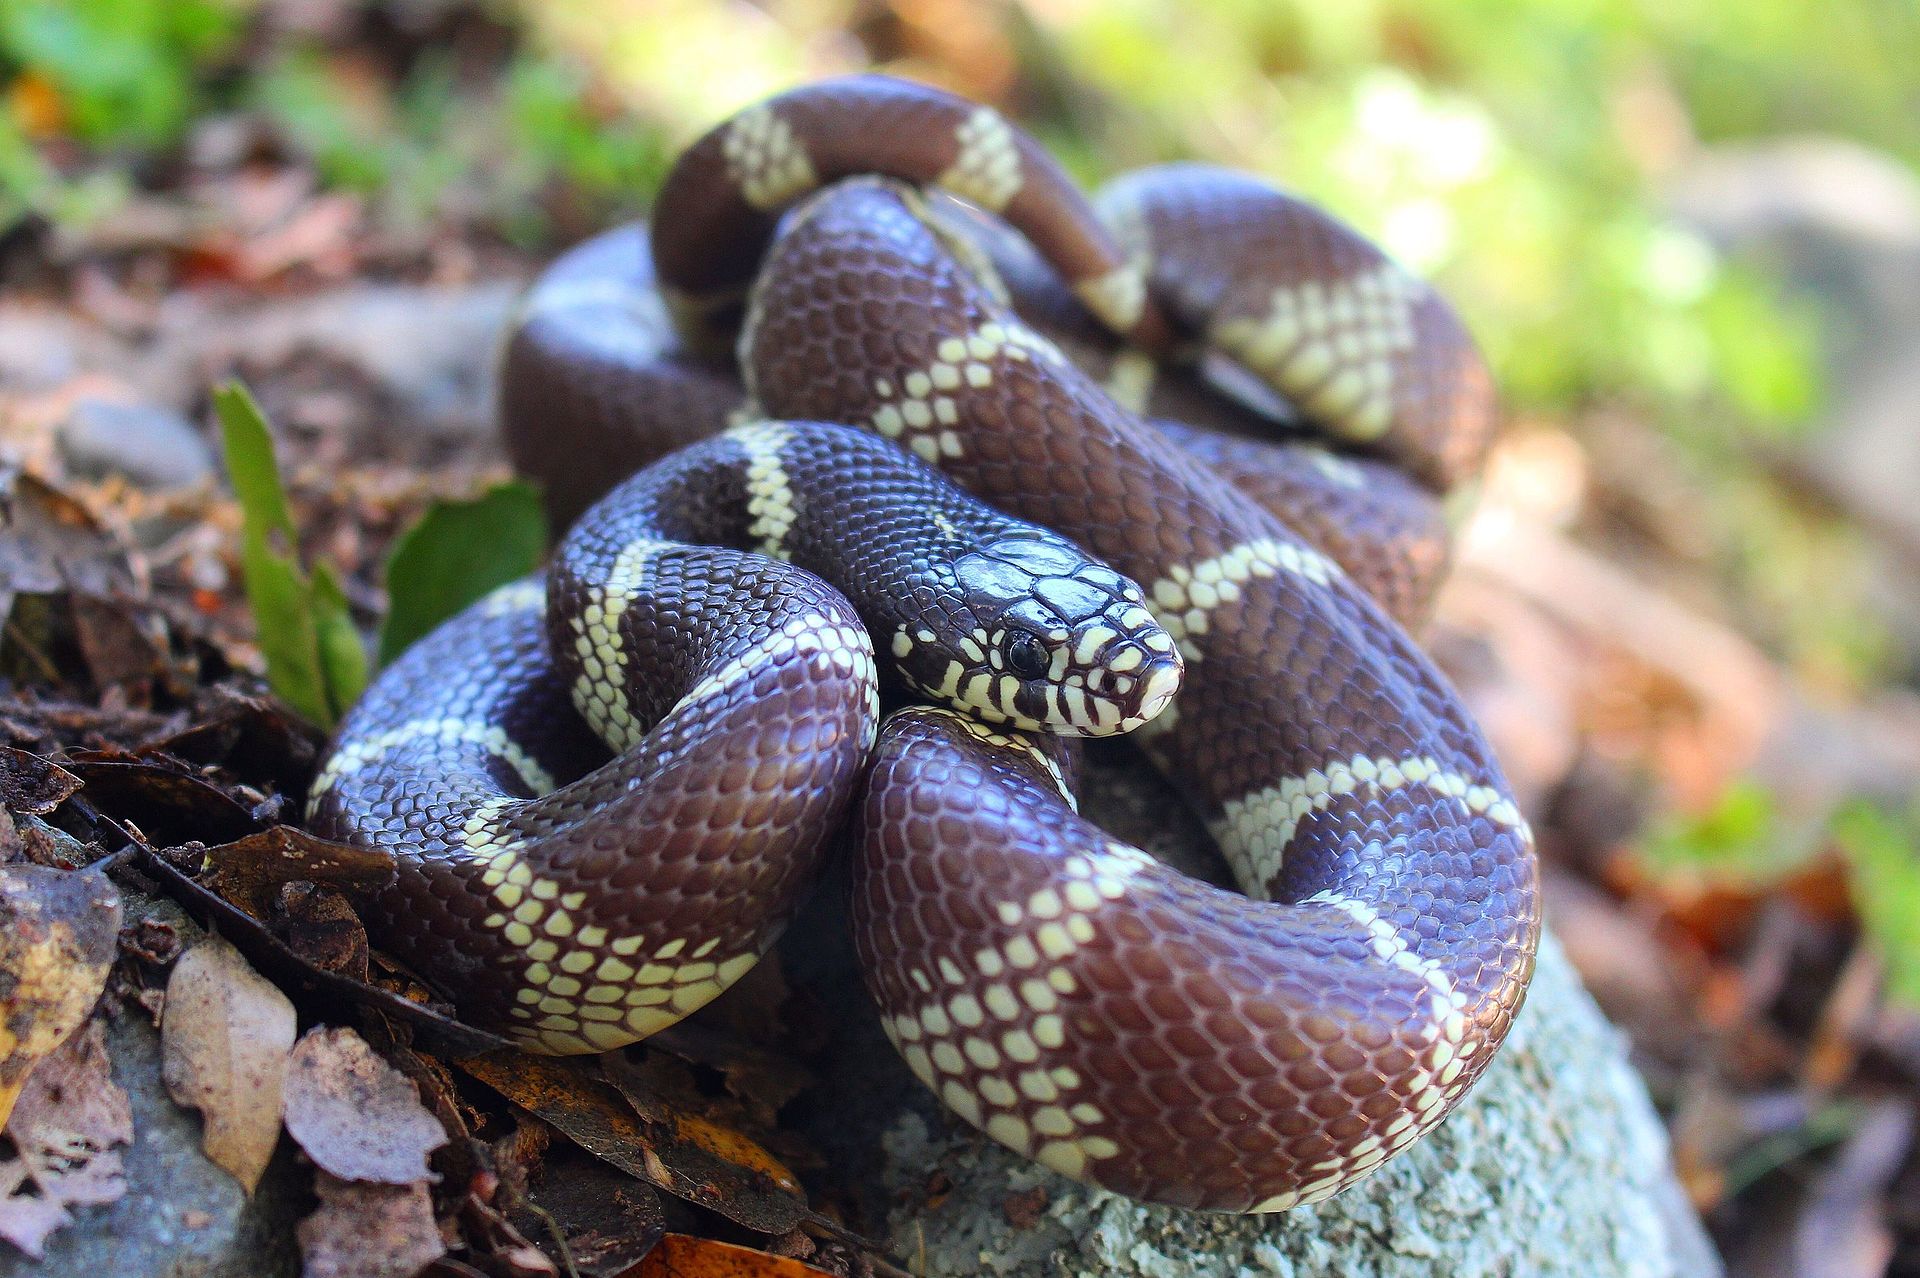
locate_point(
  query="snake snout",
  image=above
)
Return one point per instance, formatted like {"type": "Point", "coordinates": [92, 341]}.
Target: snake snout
{"type": "Point", "coordinates": [1135, 673]}
{"type": "Point", "coordinates": [1121, 667]}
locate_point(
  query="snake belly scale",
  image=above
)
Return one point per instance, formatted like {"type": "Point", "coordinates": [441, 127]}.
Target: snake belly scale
{"type": "Point", "coordinates": [1057, 988]}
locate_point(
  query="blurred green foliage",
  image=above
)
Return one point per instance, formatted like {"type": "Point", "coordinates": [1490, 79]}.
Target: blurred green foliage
{"type": "Point", "coordinates": [457, 552]}
{"type": "Point", "coordinates": [118, 75]}
{"type": "Point", "coordinates": [1882, 847]}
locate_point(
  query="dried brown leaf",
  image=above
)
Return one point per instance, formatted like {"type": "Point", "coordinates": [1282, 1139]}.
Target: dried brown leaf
{"type": "Point", "coordinates": [68, 1120]}
{"type": "Point", "coordinates": [365, 1230]}
{"type": "Point", "coordinates": [355, 1115]}
{"type": "Point", "coordinates": [224, 1047]}
{"type": "Point", "coordinates": [610, 1221]}
{"type": "Point", "coordinates": [58, 930]}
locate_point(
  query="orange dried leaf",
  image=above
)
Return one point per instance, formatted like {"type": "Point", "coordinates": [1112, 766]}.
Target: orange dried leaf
{"type": "Point", "coordinates": [684, 1256]}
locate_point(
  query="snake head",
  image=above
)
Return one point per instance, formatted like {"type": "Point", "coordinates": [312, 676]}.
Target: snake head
{"type": "Point", "coordinates": [1051, 639]}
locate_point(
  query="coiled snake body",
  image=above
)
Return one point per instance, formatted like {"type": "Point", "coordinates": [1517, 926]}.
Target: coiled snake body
{"type": "Point", "coordinates": [1061, 990]}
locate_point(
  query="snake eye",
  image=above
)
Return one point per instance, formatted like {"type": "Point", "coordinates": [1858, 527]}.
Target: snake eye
{"type": "Point", "coordinates": [1027, 656]}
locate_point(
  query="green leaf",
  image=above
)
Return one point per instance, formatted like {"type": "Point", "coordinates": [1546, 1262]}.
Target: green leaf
{"type": "Point", "coordinates": [283, 621]}
{"type": "Point", "coordinates": [457, 552]}
{"type": "Point", "coordinates": [315, 660]}
{"type": "Point", "coordinates": [250, 463]}
{"type": "Point", "coordinates": [1883, 850]}
{"type": "Point", "coordinates": [343, 653]}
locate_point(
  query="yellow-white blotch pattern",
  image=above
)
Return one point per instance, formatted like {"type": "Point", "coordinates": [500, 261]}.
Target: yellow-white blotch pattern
{"type": "Point", "coordinates": [587, 991]}
{"type": "Point", "coordinates": [769, 492]}
{"type": "Point", "coordinates": [583, 990]}
{"type": "Point", "coordinates": [766, 160]}
{"type": "Point", "coordinates": [976, 1032]}
{"type": "Point", "coordinates": [1253, 831]}
{"type": "Point", "coordinates": [1019, 745]}
{"type": "Point", "coordinates": [1118, 297]}
{"type": "Point", "coordinates": [1130, 380]}
{"type": "Point", "coordinates": [1443, 1065]}
{"type": "Point", "coordinates": [1330, 345]}
{"type": "Point", "coordinates": [600, 690]}
{"type": "Point", "coordinates": [986, 168]}
{"type": "Point", "coordinates": [922, 409]}
{"type": "Point", "coordinates": [515, 596]}
{"type": "Point", "coordinates": [1340, 470]}
{"type": "Point", "coordinates": [1182, 600]}
{"type": "Point", "coordinates": [490, 737]}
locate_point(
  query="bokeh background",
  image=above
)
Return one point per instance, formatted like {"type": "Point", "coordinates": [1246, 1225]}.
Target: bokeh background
{"type": "Point", "coordinates": [1686, 232]}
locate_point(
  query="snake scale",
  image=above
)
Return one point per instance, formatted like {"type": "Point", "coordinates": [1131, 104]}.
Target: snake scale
{"type": "Point", "coordinates": [1005, 358]}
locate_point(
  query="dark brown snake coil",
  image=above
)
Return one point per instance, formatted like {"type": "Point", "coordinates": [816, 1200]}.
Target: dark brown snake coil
{"type": "Point", "coordinates": [1060, 990]}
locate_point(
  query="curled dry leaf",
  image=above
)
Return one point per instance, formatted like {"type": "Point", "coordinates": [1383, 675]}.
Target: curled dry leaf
{"type": "Point", "coordinates": [363, 1230]}
{"type": "Point", "coordinates": [250, 871]}
{"type": "Point", "coordinates": [356, 1116]}
{"type": "Point", "coordinates": [32, 785]}
{"type": "Point", "coordinates": [57, 942]}
{"type": "Point", "coordinates": [684, 1256]}
{"type": "Point", "coordinates": [65, 1126]}
{"type": "Point", "coordinates": [224, 1044]}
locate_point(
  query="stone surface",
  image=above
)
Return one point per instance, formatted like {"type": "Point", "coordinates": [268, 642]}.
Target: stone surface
{"type": "Point", "coordinates": [148, 445]}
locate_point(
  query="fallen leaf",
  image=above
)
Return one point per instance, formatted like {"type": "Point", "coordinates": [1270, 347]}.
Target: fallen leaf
{"type": "Point", "coordinates": [252, 737]}
{"type": "Point", "coordinates": [355, 1115]}
{"type": "Point", "coordinates": [167, 801]}
{"type": "Point", "coordinates": [660, 1151]}
{"type": "Point", "coordinates": [363, 1230]}
{"type": "Point", "coordinates": [684, 1256]}
{"type": "Point", "coordinates": [71, 594]}
{"type": "Point", "coordinates": [65, 1126]}
{"type": "Point", "coordinates": [489, 1233]}
{"type": "Point", "coordinates": [321, 924]}
{"type": "Point", "coordinates": [224, 1044]}
{"type": "Point", "coordinates": [58, 930]}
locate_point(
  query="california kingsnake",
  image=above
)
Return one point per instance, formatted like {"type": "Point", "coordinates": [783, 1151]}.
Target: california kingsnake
{"type": "Point", "coordinates": [1059, 989]}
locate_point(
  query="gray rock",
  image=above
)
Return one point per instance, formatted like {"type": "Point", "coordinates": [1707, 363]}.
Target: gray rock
{"type": "Point", "coordinates": [427, 347]}
{"type": "Point", "coordinates": [182, 1216]}
{"type": "Point", "coordinates": [1555, 1165]}
{"type": "Point", "coordinates": [149, 445]}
